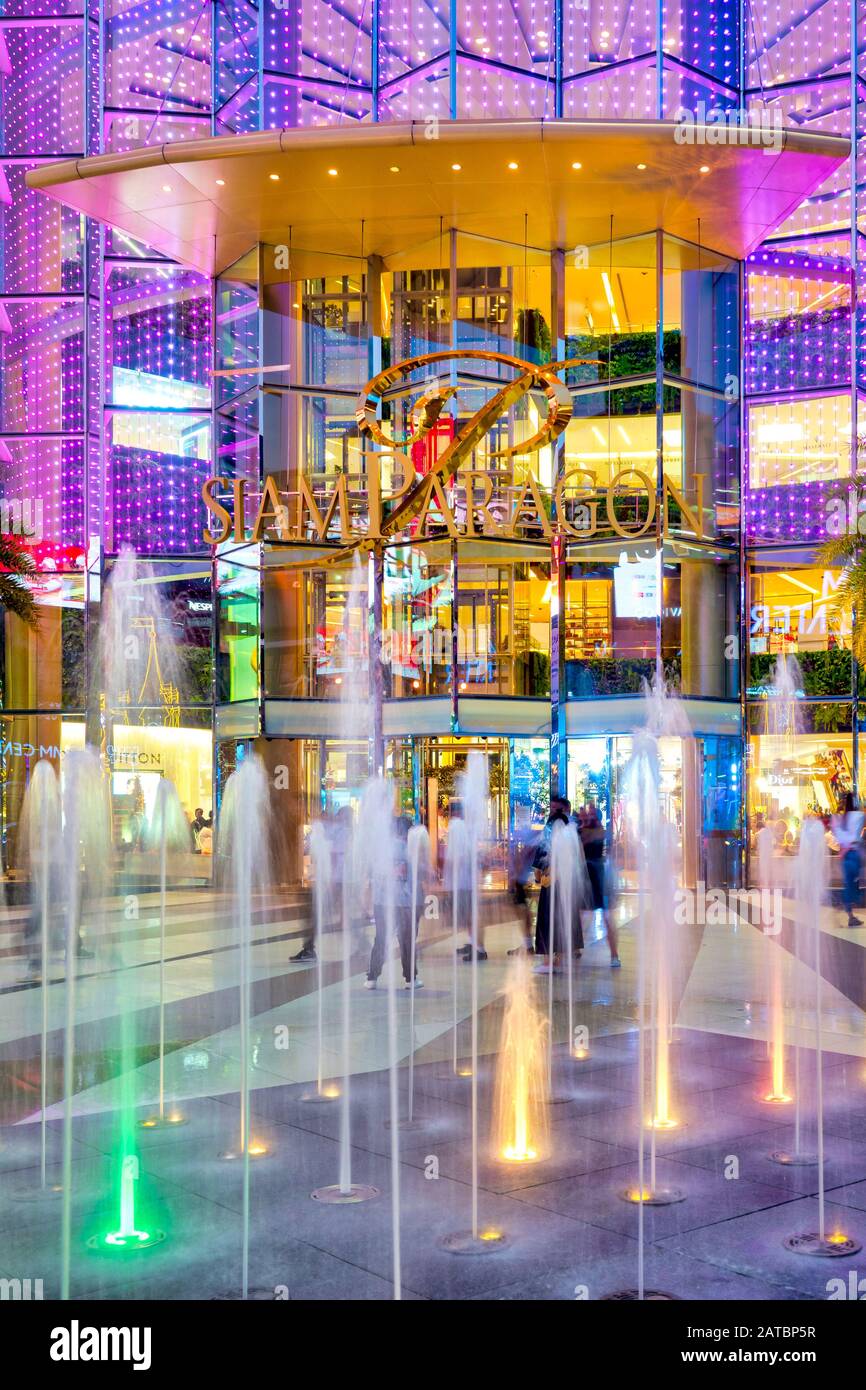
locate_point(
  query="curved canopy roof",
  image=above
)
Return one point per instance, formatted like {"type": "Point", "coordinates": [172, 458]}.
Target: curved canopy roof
{"type": "Point", "coordinates": [556, 184]}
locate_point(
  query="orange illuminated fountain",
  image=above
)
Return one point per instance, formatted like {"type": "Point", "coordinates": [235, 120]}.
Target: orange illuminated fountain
{"type": "Point", "coordinates": [520, 1127]}
{"type": "Point", "coordinates": [660, 950]}
{"type": "Point", "coordinates": [783, 725]}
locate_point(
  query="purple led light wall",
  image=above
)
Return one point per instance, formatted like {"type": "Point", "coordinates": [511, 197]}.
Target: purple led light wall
{"type": "Point", "coordinates": [167, 70]}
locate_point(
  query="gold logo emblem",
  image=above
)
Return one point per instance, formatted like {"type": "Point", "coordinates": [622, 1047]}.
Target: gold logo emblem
{"type": "Point", "coordinates": [468, 433]}
{"type": "Point", "coordinates": [414, 498]}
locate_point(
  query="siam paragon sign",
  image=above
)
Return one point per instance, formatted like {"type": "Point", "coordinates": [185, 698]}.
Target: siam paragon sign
{"type": "Point", "coordinates": [572, 508]}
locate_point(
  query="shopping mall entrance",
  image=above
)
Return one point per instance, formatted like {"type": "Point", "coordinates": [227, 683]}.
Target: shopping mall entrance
{"type": "Point", "coordinates": [699, 782]}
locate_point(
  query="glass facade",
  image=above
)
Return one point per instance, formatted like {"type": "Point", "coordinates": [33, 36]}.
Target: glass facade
{"type": "Point", "coordinates": [250, 437]}
{"type": "Point", "coordinates": [111, 419]}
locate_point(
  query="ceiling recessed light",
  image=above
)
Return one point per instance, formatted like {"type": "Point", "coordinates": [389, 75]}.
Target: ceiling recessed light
{"type": "Point", "coordinates": [332, 173]}
{"type": "Point", "coordinates": [641, 166]}
{"type": "Point", "coordinates": [395, 168]}
{"type": "Point", "coordinates": [705, 168]}
{"type": "Point", "coordinates": [166, 188]}
{"type": "Point", "coordinates": [576, 165]}
{"type": "Point", "coordinates": [275, 178]}
{"type": "Point", "coordinates": [457, 168]}
{"type": "Point", "coordinates": [221, 183]}
{"type": "Point", "coordinates": [512, 165]}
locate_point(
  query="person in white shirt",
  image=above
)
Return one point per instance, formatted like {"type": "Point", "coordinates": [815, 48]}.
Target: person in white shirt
{"type": "Point", "coordinates": [848, 831]}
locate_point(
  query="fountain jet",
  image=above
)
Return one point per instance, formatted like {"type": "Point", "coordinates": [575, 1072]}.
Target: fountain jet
{"type": "Point", "coordinates": [520, 1117]}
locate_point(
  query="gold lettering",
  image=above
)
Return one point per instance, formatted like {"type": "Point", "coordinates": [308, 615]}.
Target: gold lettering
{"type": "Point", "coordinates": [435, 489]}
{"type": "Point", "coordinates": [277, 510]}
{"type": "Point", "coordinates": [693, 519]}
{"type": "Point", "coordinates": [216, 509]}
{"type": "Point", "coordinates": [611, 502]}
{"type": "Point", "coordinates": [322, 523]}
{"type": "Point", "coordinates": [530, 507]}
{"type": "Point", "coordinates": [489, 525]}
{"type": "Point", "coordinates": [374, 488]}
{"type": "Point", "coordinates": [540, 512]}
{"type": "Point", "coordinates": [582, 498]}
{"type": "Point", "coordinates": [240, 490]}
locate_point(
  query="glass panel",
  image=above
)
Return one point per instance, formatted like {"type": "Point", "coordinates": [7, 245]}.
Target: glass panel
{"type": "Point", "coordinates": [43, 667]}
{"type": "Point", "coordinates": [158, 462]}
{"type": "Point", "coordinates": [237, 654]}
{"type": "Point", "coordinates": [417, 622]}
{"type": "Point", "coordinates": [796, 449]}
{"type": "Point", "coordinates": [503, 621]}
{"type": "Point", "coordinates": [44, 117]}
{"type": "Point", "coordinates": [799, 323]}
{"type": "Point", "coordinates": [700, 303]}
{"type": "Point", "coordinates": [795, 612]}
{"type": "Point", "coordinates": [611, 609]}
{"type": "Point", "coordinates": [160, 341]}
{"type": "Point", "coordinates": [42, 357]}
{"type": "Point", "coordinates": [42, 240]}
{"type": "Point", "coordinates": [315, 631]}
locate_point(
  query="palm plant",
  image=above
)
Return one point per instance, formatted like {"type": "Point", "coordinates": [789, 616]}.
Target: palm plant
{"type": "Point", "coordinates": [16, 564]}
{"type": "Point", "coordinates": [848, 549]}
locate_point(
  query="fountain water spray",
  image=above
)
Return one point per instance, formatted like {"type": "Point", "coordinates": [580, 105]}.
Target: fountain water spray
{"type": "Point", "coordinates": [243, 843]}
{"type": "Point", "coordinates": [810, 893]}
{"type": "Point", "coordinates": [458, 888]}
{"type": "Point", "coordinates": [86, 841]}
{"type": "Point", "coordinates": [355, 719]}
{"type": "Point", "coordinates": [135, 666]}
{"type": "Point", "coordinates": [660, 953]}
{"type": "Point", "coordinates": [473, 792]}
{"type": "Point", "coordinates": [567, 896]}
{"type": "Point", "coordinates": [520, 1119]}
{"type": "Point", "coordinates": [355, 881]}
{"type": "Point", "coordinates": [383, 856]}
{"type": "Point", "coordinates": [320, 853]}
{"type": "Point", "coordinates": [783, 721]}
{"type": "Point", "coordinates": [43, 831]}
{"type": "Point", "coordinates": [168, 831]}
{"type": "Point", "coordinates": [418, 853]}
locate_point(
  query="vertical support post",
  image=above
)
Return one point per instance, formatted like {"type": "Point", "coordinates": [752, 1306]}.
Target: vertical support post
{"type": "Point", "coordinates": [373, 313]}
{"type": "Point", "coordinates": [660, 60]}
{"type": "Point", "coordinates": [557, 59]}
{"type": "Point", "coordinates": [214, 69]}
{"type": "Point", "coordinates": [375, 593]}
{"type": "Point", "coordinates": [744, 587]}
{"type": "Point", "coordinates": [452, 60]}
{"type": "Point", "coordinates": [216, 790]}
{"type": "Point", "coordinates": [374, 62]}
{"type": "Point", "coordinates": [660, 441]}
{"type": "Point", "coordinates": [854, 237]}
{"type": "Point", "coordinates": [417, 789]}
{"type": "Point", "coordinates": [455, 645]}
{"type": "Point", "coordinates": [260, 324]}
{"type": "Point", "coordinates": [558, 747]}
